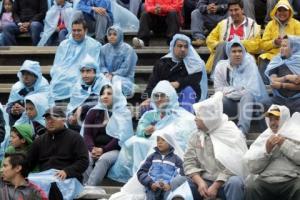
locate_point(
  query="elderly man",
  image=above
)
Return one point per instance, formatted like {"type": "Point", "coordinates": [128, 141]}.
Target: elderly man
{"type": "Point", "coordinates": [185, 70]}
{"type": "Point", "coordinates": [283, 73]}
{"type": "Point", "coordinates": [236, 24]}
{"type": "Point", "coordinates": [282, 24]}
{"type": "Point", "coordinates": [239, 80]}
{"type": "Point", "coordinates": [69, 54]}
{"type": "Point", "coordinates": [213, 156]}
{"type": "Point", "coordinates": [31, 81]}
{"type": "Point", "coordinates": [274, 158]}
{"type": "Point", "coordinates": [28, 18]}
{"type": "Point", "coordinates": [55, 149]}
{"type": "Point", "coordinates": [98, 14]}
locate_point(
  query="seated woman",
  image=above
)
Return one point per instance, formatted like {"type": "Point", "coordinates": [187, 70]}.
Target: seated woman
{"type": "Point", "coordinates": [35, 107]}
{"type": "Point", "coordinates": [106, 127]}
{"type": "Point", "coordinates": [118, 60]}
{"type": "Point", "coordinates": [166, 111]}
{"type": "Point", "coordinates": [85, 93]}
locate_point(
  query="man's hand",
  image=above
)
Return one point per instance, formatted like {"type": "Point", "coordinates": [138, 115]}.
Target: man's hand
{"type": "Point", "coordinates": [150, 129]}
{"type": "Point", "coordinates": [280, 140]}
{"type": "Point", "coordinates": [271, 142]}
{"type": "Point", "coordinates": [145, 103]}
{"type": "Point", "coordinates": [155, 186]}
{"type": "Point", "coordinates": [99, 10]}
{"type": "Point", "coordinates": [175, 84]}
{"type": "Point", "coordinates": [293, 78]}
{"type": "Point", "coordinates": [276, 84]}
{"type": "Point", "coordinates": [213, 190]}
{"type": "Point", "coordinates": [61, 174]}
{"type": "Point", "coordinates": [96, 152]}
{"type": "Point", "coordinates": [203, 189]}
{"type": "Point", "coordinates": [278, 41]}
{"type": "Point", "coordinates": [17, 109]}
{"type": "Point", "coordinates": [157, 9]}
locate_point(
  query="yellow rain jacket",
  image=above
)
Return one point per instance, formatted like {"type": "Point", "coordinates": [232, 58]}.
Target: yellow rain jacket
{"type": "Point", "coordinates": [222, 32]}
{"type": "Point", "coordinates": [272, 32]}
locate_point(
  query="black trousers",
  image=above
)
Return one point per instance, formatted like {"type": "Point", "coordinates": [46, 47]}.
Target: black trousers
{"type": "Point", "coordinates": [168, 24]}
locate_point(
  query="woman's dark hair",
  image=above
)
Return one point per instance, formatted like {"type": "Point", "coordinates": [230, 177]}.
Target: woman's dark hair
{"type": "Point", "coordinates": [3, 10]}
{"type": "Point", "coordinates": [16, 159]}
{"type": "Point", "coordinates": [234, 2]}
{"type": "Point", "coordinates": [104, 87]}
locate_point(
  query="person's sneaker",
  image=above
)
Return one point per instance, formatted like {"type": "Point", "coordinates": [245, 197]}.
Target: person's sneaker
{"type": "Point", "coordinates": [137, 43]}
{"type": "Point", "coordinates": [198, 42]}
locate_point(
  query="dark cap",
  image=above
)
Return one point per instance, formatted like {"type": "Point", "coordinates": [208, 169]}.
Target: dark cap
{"type": "Point", "coordinates": [55, 111]}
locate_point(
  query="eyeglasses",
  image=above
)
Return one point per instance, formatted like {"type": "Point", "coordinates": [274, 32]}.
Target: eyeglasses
{"type": "Point", "coordinates": [159, 96]}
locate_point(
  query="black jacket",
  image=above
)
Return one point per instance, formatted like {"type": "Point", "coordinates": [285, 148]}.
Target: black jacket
{"type": "Point", "coordinates": [65, 150]}
{"type": "Point", "coordinates": [29, 10]}
{"type": "Point", "coordinates": [166, 69]}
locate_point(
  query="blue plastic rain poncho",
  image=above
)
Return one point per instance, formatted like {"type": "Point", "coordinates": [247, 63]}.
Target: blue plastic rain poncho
{"type": "Point", "coordinates": [192, 62]}
{"type": "Point", "coordinates": [245, 77]}
{"type": "Point", "coordinates": [292, 62]}
{"type": "Point", "coordinates": [51, 20]}
{"type": "Point", "coordinates": [40, 102]}
{"type": "Point", "coordinates": [119, 60]}
{"type": "Point", "coordinates": [65, 70]}
{"type": "Point", "coordinates": [124, 18]}
{"type": "Point", "coordinates": [4, 144]}
{"type": "Point", "coordinates": [70, 188]}
{"type": "Point", "coordinates": [136, 148]}
{"type": "Point", "coordinates": [40, 85]}
{"type": "Point", "coordinates": [79, 93]}
{"type": "Point", "coordinates": [86, 6]}
{"type": "Point", "coordinates": [119, 124]}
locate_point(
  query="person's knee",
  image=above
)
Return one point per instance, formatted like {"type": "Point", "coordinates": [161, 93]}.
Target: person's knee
{"type": "Point", "coordinates": [235, 182]}
{"type": "Point", "coordinates": [35, 25]}
{"type": "Point", "coordinates": [195, 14]}
{"type": "Point", "coordinates": [8, 27]}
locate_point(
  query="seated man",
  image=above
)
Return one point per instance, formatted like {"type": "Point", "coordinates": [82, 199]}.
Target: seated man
{"type": "Point", "coordinates": [213, 156]}
{"type": "Point", "coordinates": [59, 148]}
{"type": "Point", "coordinates": [236, 24]}
{"type": "Point", "coordinates": [13, 184]}
{"type": "Point", "coordinates": [85, 93]}
{"type": "Point", "coordinates": [185, 70]}
{"type": "Point", "coordinates": [282, 24]}
{"type": "Point", "coordinates": [30, 81]}
{"type": "Point", "coordinates": [68, 56]}
{"type": "Point", "coordinates": [283, 73]}
{"type": "Point", "coordinates": [98, 15]}
{"type": "Point", "coordinates": [160, 16]}
{"type": "Point", "coordinates": [239, 81]}
{"type": "Point", "coordinates": [207, 15]}
{"type": "Point", "coordinates": [28, 18]}
{"type": "Point", "coordinates": [273, 159]}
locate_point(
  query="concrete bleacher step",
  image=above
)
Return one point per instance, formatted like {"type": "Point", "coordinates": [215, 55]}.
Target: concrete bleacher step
{"type": "Point", "coordinates": [98, 192]}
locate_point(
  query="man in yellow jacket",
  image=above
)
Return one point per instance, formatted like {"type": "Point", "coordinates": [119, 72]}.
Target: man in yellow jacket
{"type": "Point", "coordinates": [236, 24]}
{"type": "Point", "coordinates": [282, 24]}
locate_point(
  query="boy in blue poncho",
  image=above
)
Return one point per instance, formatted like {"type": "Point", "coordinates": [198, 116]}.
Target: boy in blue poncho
{"type": "Point", "coordinates": [159, 170]}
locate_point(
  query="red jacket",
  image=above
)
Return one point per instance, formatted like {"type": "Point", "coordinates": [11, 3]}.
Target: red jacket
{"type": "Point", "coordinates": [166, 6]}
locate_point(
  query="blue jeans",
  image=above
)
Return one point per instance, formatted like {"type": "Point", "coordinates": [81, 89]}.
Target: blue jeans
{"type": "Point", "coordinates": [102, 165]}
{"type": "Point", "coordinates": [233, 189]}
{"type": "Point", "coordinates": [11, 30]}
{"type": "Point", "coordinates": [241, 109]}
{"type": "Point", "coordinates": [201, 21]}
{"type": "Point", "coordinates": [57, 37]}
{"type": "Point", "coordinates": [161, 194]}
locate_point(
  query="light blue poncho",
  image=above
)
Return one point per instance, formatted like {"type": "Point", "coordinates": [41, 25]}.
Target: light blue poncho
{"type": "Point", "coordinates": [5, 142]}
{"type": "Point", "coordinates": [134, 151]}
{"type": "Point", "coordinates": [80, 95]}
{"type": "Point", "coordinates": [293, 62]}
{"type": "Point", "coordinates": [119, 60]}
{"type": "Point", "coordinates": [119, 124]}
{"type": "Point", "coordinates": [246, 75]}
{"type": "Point", "coordinates": [40, 102]}
{"type": "Point", "coordinates": [65, 70]}
{"type": "Point", "coordinates": [40, 85]}
{"type": "Point", "coordinates": [192, 62]}
{"type": "Point", "coordinates": [51, 20]}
